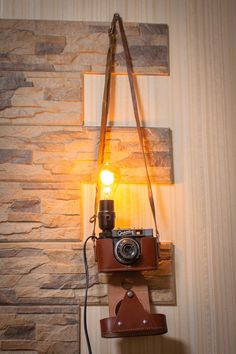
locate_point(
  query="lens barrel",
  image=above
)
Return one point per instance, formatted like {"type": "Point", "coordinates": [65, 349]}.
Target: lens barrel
{"type": "Point", "coordinates": [127, 250]}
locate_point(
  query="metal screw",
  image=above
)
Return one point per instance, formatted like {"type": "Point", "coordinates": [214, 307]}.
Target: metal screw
{"type": "Point", "coordinates": [130, 293]}
{"type": "Point", "coordinates": [119, 323]}
{"type": "Point", "coordinates": [145, 321]}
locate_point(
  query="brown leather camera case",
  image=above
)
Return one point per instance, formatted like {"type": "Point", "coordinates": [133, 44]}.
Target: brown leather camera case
{"type": "Point", "coordinates": [132, 318]}
{"type": "Point", "coordinates": [108, 263]}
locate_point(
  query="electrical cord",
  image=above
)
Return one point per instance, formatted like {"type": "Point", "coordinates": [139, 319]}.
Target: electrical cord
{"type": "Point", "coordinates": [86, 291]}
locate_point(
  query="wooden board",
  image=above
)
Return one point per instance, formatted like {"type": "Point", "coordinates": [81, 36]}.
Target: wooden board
{"type": "Point", "coordinates": [161, 282]}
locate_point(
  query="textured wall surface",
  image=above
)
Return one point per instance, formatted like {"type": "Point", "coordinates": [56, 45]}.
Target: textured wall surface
{"type": "Point", "coordinates": [197, 213]}
{"type": "Point", "coordinates": [79, 46]}
{"type": "Point", "coordinates": [45, 156]}
{"type": "Point", "coordinates": [40, 329]}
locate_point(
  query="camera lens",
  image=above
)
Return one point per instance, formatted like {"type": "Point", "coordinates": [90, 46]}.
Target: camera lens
{"type": "Point", "coordinates": [127, 250]}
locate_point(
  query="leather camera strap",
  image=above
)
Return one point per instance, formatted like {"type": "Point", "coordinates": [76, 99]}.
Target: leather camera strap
{"type": "Point", "coordinates": [105, 108]}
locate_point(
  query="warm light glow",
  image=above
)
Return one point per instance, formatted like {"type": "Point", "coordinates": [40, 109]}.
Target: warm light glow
{"type": "Point", "coordinates": [108, 179]}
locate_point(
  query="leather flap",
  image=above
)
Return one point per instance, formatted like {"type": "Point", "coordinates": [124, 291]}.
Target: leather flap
{"type": "Point", "coordinates": [132, 316]}
{"type": "Point", "coordinates": [133, 320]}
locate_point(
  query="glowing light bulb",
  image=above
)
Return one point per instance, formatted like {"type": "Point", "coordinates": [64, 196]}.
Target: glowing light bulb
{"type": "Point", "coordinates": [108, 178]}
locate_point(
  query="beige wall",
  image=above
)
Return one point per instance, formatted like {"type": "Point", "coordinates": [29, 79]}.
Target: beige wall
{"type": "Point", "coordinates": [199, 210]}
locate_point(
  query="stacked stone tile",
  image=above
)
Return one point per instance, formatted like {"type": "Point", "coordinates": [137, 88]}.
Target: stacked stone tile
{"type": "Point", "coordinates": [45, 156]}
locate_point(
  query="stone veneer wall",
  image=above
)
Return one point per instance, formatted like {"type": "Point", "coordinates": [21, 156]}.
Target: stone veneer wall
{"type": "Point", "coordinates": [45, 155]}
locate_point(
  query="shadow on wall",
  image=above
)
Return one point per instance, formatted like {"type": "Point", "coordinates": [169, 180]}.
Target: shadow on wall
{"type": "Point", "coordinates": [151, 345]}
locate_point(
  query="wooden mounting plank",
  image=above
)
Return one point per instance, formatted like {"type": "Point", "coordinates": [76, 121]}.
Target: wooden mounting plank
{"type": "Point", "coordinates": [161, 282]}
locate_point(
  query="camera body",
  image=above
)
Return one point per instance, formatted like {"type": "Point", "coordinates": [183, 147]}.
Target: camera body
{"type": "Point", "coordinates": [126, 250]}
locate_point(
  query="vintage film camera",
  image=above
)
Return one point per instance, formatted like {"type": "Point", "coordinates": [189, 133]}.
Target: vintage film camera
{"type": "Point", "coordinates": [120, 250]}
